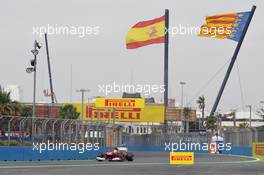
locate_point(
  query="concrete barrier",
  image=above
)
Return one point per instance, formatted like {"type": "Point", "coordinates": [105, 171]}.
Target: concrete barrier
{"type": "Point", "coordinates": [240, 150]}
{"type": "Point", "coordinates": [244, 151]}
{"type": "Point", "coordinates": [26, 153]}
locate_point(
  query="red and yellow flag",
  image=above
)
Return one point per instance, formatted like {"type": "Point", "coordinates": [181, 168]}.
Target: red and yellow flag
{"type": "Point", "coordinates": [225, 26]}
{"type": "Point", "coordinates": [145, 33]}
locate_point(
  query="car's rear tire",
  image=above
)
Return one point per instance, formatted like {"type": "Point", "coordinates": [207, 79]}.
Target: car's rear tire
{"type": "Point", "coordinates": [130, 159]}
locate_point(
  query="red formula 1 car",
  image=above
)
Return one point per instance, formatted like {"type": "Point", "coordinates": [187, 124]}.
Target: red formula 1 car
{"type": "Point", "coordinates": [118, 154]}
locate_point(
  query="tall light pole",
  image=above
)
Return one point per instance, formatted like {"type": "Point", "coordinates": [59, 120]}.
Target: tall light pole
{"type": "Point", "coordinates": [182, 83]}
{"type": "Point", "coordinates": [250, 112]}
{"type": "Point", "coordinates": [33, 63]}
{"type": "Point", "coordinates": [29, 70]}
{"type": "Point", "coordinates": [83, 91]}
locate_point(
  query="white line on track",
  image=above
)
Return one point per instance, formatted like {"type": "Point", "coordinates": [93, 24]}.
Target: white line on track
{"type": "Point", "coordinates": [75, 165]}
{"type": "Point", "coordinates": [117, 164]}
{"type": "Point", "coordinates": [229, 162]}
{"type": "Point", "coordinates": [125, 164]}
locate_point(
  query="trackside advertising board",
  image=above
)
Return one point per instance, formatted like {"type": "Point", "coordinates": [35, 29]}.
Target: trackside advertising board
{"type": "Point", "coordinates": [150, 113]}
{"type": "Point", "coordinates": [258, 149]}
{"type": "Point", "coordinates": [177, 158]}
{"type": "Point", "coordinates": [120, 103]}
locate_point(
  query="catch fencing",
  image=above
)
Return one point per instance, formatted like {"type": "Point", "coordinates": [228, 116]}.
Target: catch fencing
{"type": "Point", "coordinates": [28, 130]}
{"type": "Point", "coordinates": [160, 139]}
{"type": "Point", "coordinates": [244, 136]}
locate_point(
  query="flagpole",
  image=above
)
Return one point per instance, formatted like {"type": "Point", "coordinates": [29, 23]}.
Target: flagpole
{"type": "Point", "coordinates": [166, 63]}
{"type": "Point", "coordinates": [232, 61]}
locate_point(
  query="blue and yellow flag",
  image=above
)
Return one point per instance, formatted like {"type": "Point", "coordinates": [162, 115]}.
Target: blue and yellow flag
{"type": "Point", "coordinates": [225, 26]}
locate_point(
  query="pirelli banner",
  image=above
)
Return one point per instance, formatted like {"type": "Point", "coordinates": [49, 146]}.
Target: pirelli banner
{"type": "Point", "coordinates": [139, 113]}
{"type": "Point", "coordinates": [120, 103]}
{"type": "Point", "coordinates": [258, 149]}
{"type": "Point", "coordinates": [181, 158]}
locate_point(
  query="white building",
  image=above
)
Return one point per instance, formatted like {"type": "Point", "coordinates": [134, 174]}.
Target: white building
{"type": "Point", "coordinates": [15, 92]}
{"type": "Point", "coordinates": [243, 117]}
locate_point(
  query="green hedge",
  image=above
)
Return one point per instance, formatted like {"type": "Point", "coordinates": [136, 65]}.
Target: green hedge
{"type": "Point", "coordinates": [14, 143]}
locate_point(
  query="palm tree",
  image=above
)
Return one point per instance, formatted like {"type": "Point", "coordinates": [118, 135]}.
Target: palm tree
{"type": "Point", "coordinates": [14, 108]}
{"type": "Point", "coordinates": [26, 111]}
{"type": "Point", "coordinates": [243, 125]}
{"type": "Point", "coordinates": [5, 98]}
{"type": "Point", "coordinates": [201, 104]}
{"type": "Point", "coordinates": [260, 113]}
{"type": "Point", "coordinates": [11, 108]}
{"type": "Point", "coordinates": [211, 123]}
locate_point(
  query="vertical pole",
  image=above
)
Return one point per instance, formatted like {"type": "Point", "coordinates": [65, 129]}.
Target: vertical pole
{"type": "Point", "coordinates": [166, 63]}
{"type": "Point", "coordinates": [50, 78]}
{"type": "Point", "coordinates": [82, 104]}
{"type": "Point", "coordinates": [250, 112]}
{"type": "Point", "coordinates": [182, 83]}
{"type": "Point", "coordinates": [71, 83]}
{"type": "Point", "coordinates": [9, 129]}
{"type": "Point", "coordinates": [34, 83]}
{"type": "Point", "coordinates": [166, 56]}
{"type": "Point", "coordinates": [182, 95]}
{"type": "Point", "coordinates": [82, 91]}
{"type": "Point", "coordinates": [232, 61]}
{"type": "Point", "coordinates": [34, 93]}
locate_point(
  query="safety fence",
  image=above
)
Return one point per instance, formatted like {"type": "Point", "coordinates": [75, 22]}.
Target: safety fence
{"type": "Point", "coordinates": [161, 139]}
{"type": "Point", "coordinates": [28, 130]}
{"type": "Point", "coordinates": [26, 153]}
{"type": "Point", "coordinates": [55, 130]}
{"type": "Point", "coordinates": [158, 142]}
{"type": "Point", "coordinates": [244, 136]}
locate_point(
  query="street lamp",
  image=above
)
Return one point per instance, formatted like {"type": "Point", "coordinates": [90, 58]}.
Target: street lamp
{"type": "Point", "coordinates": [35, 52]}
{"type": "Point", "coordinates": [83, 91]}
{"type": "Point", "coordinates": [182, 83]}
{"type": "Point", "coordinates": [250, 111]}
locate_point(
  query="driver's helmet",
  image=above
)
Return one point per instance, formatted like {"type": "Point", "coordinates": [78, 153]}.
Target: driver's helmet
{"type": "Point", "coordinates": [116, 150]}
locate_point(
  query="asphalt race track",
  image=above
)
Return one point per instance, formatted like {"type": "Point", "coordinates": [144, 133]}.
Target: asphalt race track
{"type": "Point", "coordinates": [148, 163]}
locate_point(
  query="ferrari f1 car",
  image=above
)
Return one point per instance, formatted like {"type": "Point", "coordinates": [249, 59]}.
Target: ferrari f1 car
{"type": "Point", "coordinates": [118, 154]}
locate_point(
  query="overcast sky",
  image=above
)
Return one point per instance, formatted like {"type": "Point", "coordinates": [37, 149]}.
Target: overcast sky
{"type": "Point", "coordinates": [103, 58]}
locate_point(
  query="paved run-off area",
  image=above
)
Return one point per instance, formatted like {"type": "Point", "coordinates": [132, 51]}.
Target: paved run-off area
{"type": "Point", "coordinates": [145, 163]}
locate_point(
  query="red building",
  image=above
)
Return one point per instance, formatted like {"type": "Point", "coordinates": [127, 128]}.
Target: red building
{"type": "Point", "coordinates": [46, 109]}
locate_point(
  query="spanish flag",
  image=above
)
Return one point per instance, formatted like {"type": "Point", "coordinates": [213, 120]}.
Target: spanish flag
{"type": "Point", "coordinates": [225, 26]}
{"type": "Point", "coordinates": [145, 33]}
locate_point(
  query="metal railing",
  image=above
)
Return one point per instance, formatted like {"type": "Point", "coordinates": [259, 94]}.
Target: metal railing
{"type": "Point", "coordinates": [155, 139]}
{"type": "Point", "coordinates": [244, 136]}
{"type": "Point", "coordinates": [28, 129]}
